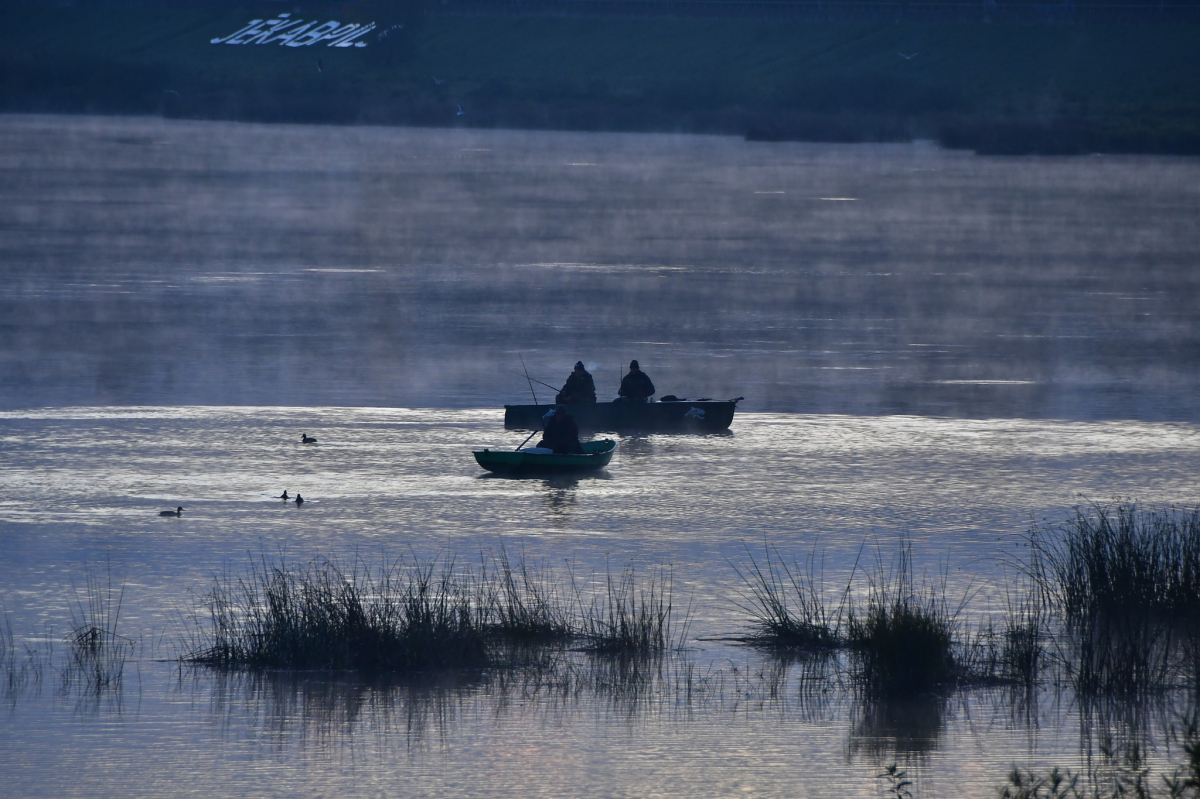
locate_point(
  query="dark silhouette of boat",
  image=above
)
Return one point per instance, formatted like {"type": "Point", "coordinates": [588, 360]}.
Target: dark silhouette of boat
{"type": "Point", "coordinates": [701, 416]}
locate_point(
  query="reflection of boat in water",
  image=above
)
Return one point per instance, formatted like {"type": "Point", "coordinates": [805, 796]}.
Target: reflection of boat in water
{"type": "Point", "coordinates": [680, 415]}
{"type": "Point", "coordinates": [535, 460]}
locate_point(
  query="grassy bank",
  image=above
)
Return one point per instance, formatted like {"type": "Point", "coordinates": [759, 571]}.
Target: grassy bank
{"type": "Point", "coordinates": [994, 88]}
{"type": "Point", "coordinates": [412, 617]}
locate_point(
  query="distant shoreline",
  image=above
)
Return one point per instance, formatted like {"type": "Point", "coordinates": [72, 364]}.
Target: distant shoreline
{"type": "Point", "coordinates": [1000, 88]}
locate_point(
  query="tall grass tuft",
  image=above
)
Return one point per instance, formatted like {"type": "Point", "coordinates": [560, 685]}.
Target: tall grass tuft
{"type": "Point", "coordinates": [903, 640]}
{"type": "Point", "coordinates": [1126, 583]}
{"type": "Point", "coordinates": [524, 605]}
{"type": "Point", "coordinates": [409, 617]}
{"type": "Point", "coordinates": [322, 617]}
{"type": "Point", "coordinates": [786, 607]}
{"type": "Point", "coordinates": [97, 651]}
{"type": "Point", "coordinates": [629, 617]}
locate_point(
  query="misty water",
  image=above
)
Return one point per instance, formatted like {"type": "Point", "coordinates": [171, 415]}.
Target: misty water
{"type": "Point", "coordinates": [933, 347]}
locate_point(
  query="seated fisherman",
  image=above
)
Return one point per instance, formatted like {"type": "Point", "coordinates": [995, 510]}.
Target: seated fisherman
{"type": "Point", "coordinates": [636, 385]}
{"type": "Point", "coordinates": [578, 388]}
{"type": "Point", "coordinates": [561, 434]}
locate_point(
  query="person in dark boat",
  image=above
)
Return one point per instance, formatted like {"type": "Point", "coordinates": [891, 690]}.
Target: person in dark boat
{"type": "Point", "coordinates": [635, 385]}
{"type": "Point", "coordinates": [579, 387]}
{"type": "Point", "coordinates": [561, 433]}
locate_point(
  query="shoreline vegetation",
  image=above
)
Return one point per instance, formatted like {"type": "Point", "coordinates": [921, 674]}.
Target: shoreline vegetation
{"type": "Point", "coordinates": [1103, 607]}
{"type": "Point", "coordinates": [1085, 78]}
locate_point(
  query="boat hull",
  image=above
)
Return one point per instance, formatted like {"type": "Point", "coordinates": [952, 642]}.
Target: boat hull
{"type": "Point", "coordinates": [596, 455]}
{"type": "Point", "coordinates": [708, 416]}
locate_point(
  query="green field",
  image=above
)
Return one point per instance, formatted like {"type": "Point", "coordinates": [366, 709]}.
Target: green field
{"type": "Point", "coordinates": [996, 88]}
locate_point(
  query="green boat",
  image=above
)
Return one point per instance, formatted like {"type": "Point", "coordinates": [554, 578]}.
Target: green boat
{"type": "Point", "coordinates": [596, 455]}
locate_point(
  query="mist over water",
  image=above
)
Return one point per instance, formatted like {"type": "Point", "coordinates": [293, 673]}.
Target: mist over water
{"type": "Point", "coordinates": [934, 348]}
{"type": "Point", "coordinates": [153, 262]}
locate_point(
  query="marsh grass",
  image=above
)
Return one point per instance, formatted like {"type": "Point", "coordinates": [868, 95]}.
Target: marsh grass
{"type": "Point", "coordinates": [96, 651]}
{"type": "Point", "coordinates": [786, 606]}
{"type": "Point", "coordinates": [1125, 586]}
{"type": "Point", "coordinates": [903, 639]}
{"type": "Point", "coordinates": [527, 604]}
{"type": "Point", "coordinates": [320, 616]}
{"type": "Point", "coordinates": [630, 616]}
{"type": "Point", "coordinates": [412, 617]}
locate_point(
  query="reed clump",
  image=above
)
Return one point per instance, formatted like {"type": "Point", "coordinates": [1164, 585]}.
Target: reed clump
{"type": "Point", "coordinates": [526, 604]}
{"type": "Point", "coordinates": [630, 617]}
{"type": "Point", "coordinates": [320, 616]}
{"type": "Point", "coordinates": [902, 637]}
{"type": "Point", "coordinates": [412, 617]}
{"type": "Point", "coordinates": [786, 607]}
{"type": "Point", "coordinates": [97, 652]}
{"type": "Point", "coordinates": [1124, 584]}
{"type": "Point", "coordinates": [903, 640]}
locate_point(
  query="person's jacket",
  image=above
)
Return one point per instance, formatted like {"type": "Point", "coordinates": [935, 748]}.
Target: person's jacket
{"type": "Point", "coordinates": [579, 388]}
{"type": "Point", "coordinates": [636, 385]}
{"type": "Point", "coordinates": [561, 434]}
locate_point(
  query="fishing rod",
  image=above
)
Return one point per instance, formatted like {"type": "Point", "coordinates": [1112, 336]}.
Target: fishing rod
{"type": "Point", "coordinates": [535, 402]}
{"type": "Point", "coordinates": [527, 377]}
{"type": "Point", "coordinates": [539, 382]}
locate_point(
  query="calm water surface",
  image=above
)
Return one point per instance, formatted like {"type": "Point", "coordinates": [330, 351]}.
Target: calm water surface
{"type": "Point", "coordinates": [934, 347]}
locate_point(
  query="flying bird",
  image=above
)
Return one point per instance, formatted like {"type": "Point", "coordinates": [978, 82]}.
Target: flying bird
{"type": "Point", "coordinates": [460, 111]}
{"type": "Point", "coordinates": [907, 57]}
{"type": "Point", "coordinates": [172, 91]}
{"type": "Point", "coordinates": [436, 81]}
{"type": "Point", "coordinates": [319, 66]}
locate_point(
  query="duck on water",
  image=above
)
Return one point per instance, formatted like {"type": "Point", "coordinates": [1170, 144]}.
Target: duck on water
{"type": "Point", "coordinates": [177, 512]}
{"type": "Point", "coordinates": [305, 438]}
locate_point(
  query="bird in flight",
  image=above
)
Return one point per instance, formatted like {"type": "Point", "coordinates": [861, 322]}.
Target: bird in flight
{"type": "Point", "coordinates": [907, 57]}
{"type": "Point", "coordinates": [436, 81]}
{"type": "Point", "coordinates": [460, 112]}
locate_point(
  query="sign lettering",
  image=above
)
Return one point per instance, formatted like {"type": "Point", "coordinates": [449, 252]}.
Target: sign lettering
{"type": "Point", "coordinates": [284, 30]}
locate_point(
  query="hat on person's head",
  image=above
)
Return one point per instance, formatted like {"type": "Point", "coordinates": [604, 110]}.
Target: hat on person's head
{"type": "Point", "coordinates": [579, 364]}
{"type": "Point", "coordinates": [633, 365]}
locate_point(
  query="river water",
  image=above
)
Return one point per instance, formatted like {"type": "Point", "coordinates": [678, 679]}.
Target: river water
{"type": "Point", "coordinates": [934, 348]}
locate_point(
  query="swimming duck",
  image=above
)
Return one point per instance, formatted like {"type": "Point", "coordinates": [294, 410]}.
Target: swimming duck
{"type": "Point", "coordinates": [299, 499]}
{"type": "Point", "coordinates": [305, 438]}
{"type": "Point", "coordinates": [283, 496]}
{"type": "Point", "coordinates": [177, 512]}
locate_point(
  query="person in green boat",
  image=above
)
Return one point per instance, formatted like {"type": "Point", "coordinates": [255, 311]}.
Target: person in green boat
{"type": "Point", "coordinates": [635, 386]}
{"type": "Point", "coordinates": [579, 387]}
{"type": "Point", "coordinates": [561, 433]}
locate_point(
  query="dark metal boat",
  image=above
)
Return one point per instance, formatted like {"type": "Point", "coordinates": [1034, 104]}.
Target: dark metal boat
{"type": "Point", "coordinates": [705, 416]}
